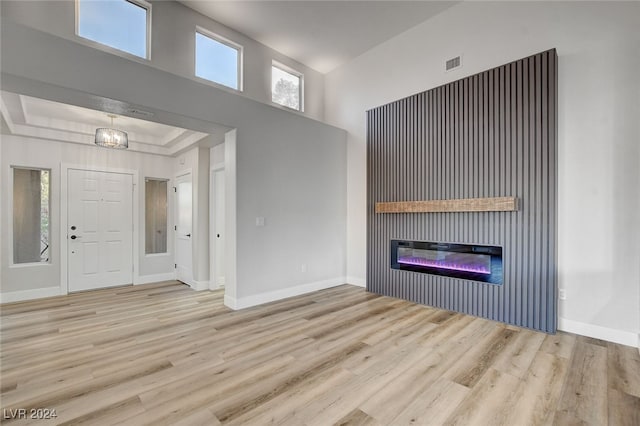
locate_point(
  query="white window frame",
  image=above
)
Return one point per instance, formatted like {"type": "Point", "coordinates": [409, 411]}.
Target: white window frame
{"type": "Point", "coordinates": [96, 44]}
{"type": "Point", "coordinates": [220, 39]}
{"type": "Point", "coordinates": [295, 72]}
{"type": "Point", "coordinates": [12, 264]}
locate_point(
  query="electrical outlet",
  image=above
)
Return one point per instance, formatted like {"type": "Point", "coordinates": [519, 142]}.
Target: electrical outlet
{"type": "Point", "coordinates": [562, 294]}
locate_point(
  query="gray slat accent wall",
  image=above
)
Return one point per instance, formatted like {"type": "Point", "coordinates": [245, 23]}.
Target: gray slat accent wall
{"type": "Point", "coordinates": [492, 134]}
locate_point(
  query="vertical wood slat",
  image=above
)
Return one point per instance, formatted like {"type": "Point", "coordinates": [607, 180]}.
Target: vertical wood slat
{"type": "Point", "coordinates": [493, 134]}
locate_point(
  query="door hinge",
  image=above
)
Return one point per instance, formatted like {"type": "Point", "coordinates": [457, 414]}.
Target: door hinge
{"type": "Point", "coordinates": [175, 189]}
{"type": "Point", "coordinates": [175, 228]}
{"type": "Point", "coordinates": [175, 266]}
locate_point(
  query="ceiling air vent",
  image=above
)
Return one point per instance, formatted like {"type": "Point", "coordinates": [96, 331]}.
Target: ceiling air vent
{"type": "Point", "coordinates": [139, 112]}
{"type": "Point", "coordinates": [453, 63]}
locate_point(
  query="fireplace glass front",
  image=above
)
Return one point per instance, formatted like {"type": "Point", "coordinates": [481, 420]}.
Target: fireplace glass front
{"type": "Point", "coordinates": [465, 261]}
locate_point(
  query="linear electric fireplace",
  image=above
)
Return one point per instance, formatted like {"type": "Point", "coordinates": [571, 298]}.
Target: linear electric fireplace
{"type": "Point", "coordinates": [465, 261]}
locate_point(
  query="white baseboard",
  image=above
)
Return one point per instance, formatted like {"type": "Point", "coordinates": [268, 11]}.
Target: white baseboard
{"type": "Point", "coordinates": [216, 284]}
{"type": "Point", "coordinates": [230, 302]}
{"type": "Point", "coordinates": [628, 338]}
{"type": "Point", "coordinates": [199, 285]}
{"type": "Point", "coordinates": [271, 296]}
{"type": "Point", "coordinates": [196, 285]}
{"type": "Point", "coordinates": [155, 278]}
{"type": "Point", "coordinates": [37, 293]}
{"type": "Point", "coordinates": [360, 282]}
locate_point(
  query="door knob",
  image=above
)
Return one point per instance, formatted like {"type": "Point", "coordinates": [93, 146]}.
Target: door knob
{"type": "Point", "coordinates": [189, 235]}
{"type": "Point", "coordinates": [73, 237]}
{"type": "Point", "coordinates": [218, 235]}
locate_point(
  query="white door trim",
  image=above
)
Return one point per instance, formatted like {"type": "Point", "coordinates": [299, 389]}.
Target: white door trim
{"type": "Point", "coordinates": [64, 202]}
{"type": "Point", "coordinates": [213, 279]}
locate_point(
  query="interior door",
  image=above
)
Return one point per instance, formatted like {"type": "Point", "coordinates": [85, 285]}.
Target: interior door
{"type": "Point", "coordinates": [218, 227]}
{"type": "Point", "coordinates": [100, 229]}
{"type": "Point", "coordinates": [183, 229]}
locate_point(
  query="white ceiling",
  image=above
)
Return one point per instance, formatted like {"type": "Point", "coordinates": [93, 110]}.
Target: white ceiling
{"type": "Point", "coordinates": [320, 34]}
{"type": "Point", "coordinates": [39, 118]}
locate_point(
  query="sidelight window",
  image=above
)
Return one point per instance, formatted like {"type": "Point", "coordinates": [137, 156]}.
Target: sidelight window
{"type": "Point", "coordinates": [31, 219]}
{"type": "Point", "coordinates": [155, 216]}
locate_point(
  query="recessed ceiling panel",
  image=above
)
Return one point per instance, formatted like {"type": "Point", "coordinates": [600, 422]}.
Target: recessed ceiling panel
{"type": "Point", "coordinates": [34, 117]}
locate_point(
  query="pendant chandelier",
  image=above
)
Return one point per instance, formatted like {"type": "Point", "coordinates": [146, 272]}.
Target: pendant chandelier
{"type": "Point", "coordinates": [112, 138]}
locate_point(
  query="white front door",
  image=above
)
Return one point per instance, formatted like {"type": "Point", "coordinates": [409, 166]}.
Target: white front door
{"type": "Point", "coordinates": [99, 229]}
{"type": "Point", "coordinates": [184, 218]}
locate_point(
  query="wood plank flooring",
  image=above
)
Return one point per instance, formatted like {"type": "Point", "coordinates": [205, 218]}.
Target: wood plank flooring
{"type": "Point", "coordinates": [164, 354]}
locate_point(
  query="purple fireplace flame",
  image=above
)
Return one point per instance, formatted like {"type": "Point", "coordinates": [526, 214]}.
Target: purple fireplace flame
{"type": "Point", "coordinates": [444, 264]}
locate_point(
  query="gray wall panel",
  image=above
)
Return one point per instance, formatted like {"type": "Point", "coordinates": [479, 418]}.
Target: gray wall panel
{"type": "Point", "coordinates": [488, 135]}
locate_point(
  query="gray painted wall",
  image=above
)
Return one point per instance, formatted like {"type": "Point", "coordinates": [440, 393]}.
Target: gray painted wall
{"type": "Point", "coordinates": [289, 169]}
{"type": "Point", "coordinates": [489, 135]}
{"type": "Point", "coordinates": [173, 28]}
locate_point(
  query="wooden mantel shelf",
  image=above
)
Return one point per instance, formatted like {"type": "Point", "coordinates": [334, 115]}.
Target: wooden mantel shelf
{"type": "Point", "coordinates": [496, 204]}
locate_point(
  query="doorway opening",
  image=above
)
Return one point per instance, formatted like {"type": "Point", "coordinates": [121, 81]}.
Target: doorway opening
{"type": "Point", "coordinates": [217, 226]}
{"type": "Point", "coordinates": [184, 229]}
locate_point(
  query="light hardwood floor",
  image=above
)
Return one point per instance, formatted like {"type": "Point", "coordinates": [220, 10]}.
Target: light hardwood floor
{"type": "Point", "coordinates": [164, 354]}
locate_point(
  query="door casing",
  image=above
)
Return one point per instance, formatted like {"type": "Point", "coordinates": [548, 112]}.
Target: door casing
{"type": "Point", "coordinates": [214, 210]}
